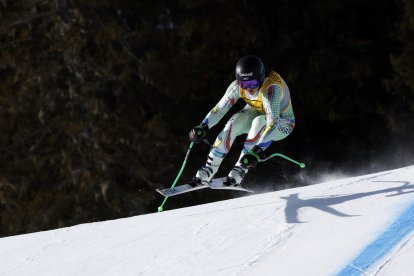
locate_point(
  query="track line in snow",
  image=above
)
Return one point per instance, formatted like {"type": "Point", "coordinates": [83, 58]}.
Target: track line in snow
{"type": "Point", "coordinates": [383, 245]}
{"type": "Point", "coordinates": [391, 258]}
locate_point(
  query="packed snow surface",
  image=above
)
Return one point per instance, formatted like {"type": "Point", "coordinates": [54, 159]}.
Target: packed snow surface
{"type": "Point", "coordinates": [354, 226]}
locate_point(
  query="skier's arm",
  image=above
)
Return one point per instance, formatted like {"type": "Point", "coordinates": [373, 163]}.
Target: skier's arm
{"type": "Point", "coordinates": [272, 99]}
{"type": "Point", "coordinates": [223, 106]}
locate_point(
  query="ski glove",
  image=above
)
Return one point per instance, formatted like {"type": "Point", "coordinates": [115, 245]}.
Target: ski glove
{"type": "Point", "coordinates": [198, 133]}
{"type": "Point", "coordinates": [250, 159]}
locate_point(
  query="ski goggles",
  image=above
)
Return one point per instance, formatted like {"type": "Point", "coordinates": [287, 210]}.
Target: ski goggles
{"type": "Point", "coordinates": [252, 84]}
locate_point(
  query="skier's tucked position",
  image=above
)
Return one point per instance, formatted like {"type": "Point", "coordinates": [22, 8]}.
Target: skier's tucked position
{"type": "Point", "coordinates": [267, 117]}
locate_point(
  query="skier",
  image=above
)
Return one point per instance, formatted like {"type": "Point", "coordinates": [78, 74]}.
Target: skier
{"type": "Point", "coordinates": [267, 117]}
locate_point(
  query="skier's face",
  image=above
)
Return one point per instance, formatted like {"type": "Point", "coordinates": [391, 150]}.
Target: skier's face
{"type": "Point", "coordinates": [252, 91]}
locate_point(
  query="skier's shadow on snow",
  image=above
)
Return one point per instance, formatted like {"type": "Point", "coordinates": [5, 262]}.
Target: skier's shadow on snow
{"type": "Point", "coordinates": [294, 203]}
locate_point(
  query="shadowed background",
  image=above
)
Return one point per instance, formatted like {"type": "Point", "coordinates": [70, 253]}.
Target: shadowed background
{"type": "Point", "coordinates": [97, 98]}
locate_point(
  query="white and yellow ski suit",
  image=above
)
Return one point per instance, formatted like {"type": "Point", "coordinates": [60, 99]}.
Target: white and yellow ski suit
{"type": "Point", "coordinates": [267, 117]}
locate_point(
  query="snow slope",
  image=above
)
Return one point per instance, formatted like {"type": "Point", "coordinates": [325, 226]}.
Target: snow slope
{"type": "Point", "coordinates": [353, 226]}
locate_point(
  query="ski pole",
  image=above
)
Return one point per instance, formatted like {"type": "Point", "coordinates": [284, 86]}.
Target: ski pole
{"type": "Point", "coordinates": [301, 165]}
{"type": "Point", "coordinates": [161, 207]}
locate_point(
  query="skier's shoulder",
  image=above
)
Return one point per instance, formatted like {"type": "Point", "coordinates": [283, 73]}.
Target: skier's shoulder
{"type": "Point", "coordinates": [273, 78]}
{"type": "Point", "coordinates": [234, 84]}
{"type": "Point", "coordinates": [233, 87]}
{"type": "Point", "coordinates": [273, 85]}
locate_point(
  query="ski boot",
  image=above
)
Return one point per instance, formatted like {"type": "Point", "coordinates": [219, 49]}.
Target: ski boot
{"type": "Point", "coordinates": [235, 176]}
{"type": "Point", "coordinates": [204, 175]}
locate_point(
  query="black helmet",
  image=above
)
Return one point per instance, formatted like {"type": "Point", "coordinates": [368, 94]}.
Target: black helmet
{"type": "Point", "coordinates": [249, 68]}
